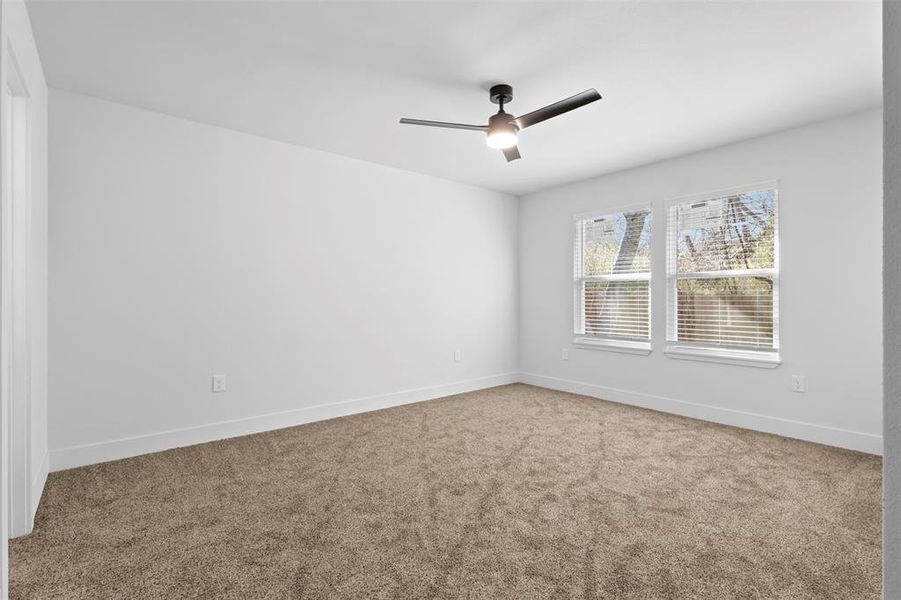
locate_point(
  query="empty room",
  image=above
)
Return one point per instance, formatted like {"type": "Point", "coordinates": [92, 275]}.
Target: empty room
{"type": "Point", "coordinates": [439, 300]}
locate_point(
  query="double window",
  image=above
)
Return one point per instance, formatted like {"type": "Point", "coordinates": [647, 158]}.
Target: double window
{"type": "Point", "coordinates": [612, 280]}
{"type": "Point", "coordinates": [722, 278]}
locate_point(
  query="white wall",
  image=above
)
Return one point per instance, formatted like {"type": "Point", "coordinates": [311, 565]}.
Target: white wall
{"type": "Point", "coordinates": [830, 288]}
{"type": "Point", "coordinates": [891, 555]}
{"type": "Point", "coordinates": [24, 281]}
{"type": "Point", "coordinates": [179, 250]}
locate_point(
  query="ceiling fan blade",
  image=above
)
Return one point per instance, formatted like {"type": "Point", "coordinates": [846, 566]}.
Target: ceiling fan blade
{"type": "Point", "coordinates": [445, 125]}
{"type": "Point", "coordinates": [558, 108]}
{"type": "Point", "coordinates": [511, 153]}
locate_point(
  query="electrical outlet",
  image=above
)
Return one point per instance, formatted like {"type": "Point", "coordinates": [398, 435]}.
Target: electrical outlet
{"type": "Point", "coordinates": [218, 383]}
{"type": "Point", "coordinates": [458, 355]}
{"type": "Point", "coordinates": [565, 354]}
{"type": "Point", "coordinates": [799, 384]}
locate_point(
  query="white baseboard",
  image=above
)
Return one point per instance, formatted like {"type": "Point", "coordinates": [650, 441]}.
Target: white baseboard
{"type": "Point", "coordinates": [38, 483]}
{"type": "Point", "coordinates": [89, 454]}
{"type": "Point", "coordinates": [832, 436]}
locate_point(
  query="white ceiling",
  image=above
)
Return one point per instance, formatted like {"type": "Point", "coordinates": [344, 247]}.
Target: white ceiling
{"type": "Point", "coordinates": [676, 76]}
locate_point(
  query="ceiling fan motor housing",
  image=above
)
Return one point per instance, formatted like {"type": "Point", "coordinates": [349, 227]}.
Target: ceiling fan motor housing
{"type": "Point", "coordinates": [502, 120]}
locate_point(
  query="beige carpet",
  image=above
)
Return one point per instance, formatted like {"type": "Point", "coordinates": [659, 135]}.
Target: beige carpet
{"type": "Point", "coordinates": [514, 492]}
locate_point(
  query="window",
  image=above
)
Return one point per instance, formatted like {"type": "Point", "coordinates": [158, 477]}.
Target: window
{"type": "Point", "coordinates": [723, 277]}
{"type": "Point", "coordinates": [612, 281]}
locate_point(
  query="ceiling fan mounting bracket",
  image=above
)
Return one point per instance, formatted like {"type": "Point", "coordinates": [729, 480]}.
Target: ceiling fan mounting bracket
{"type": "Point", "coordinates": [501, 93]}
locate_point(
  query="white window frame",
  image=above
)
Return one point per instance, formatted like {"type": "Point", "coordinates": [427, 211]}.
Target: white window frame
{"type": "Point", "coordinates": [592, 342]}
{"type": "Point", "coordinates": [711, 353]}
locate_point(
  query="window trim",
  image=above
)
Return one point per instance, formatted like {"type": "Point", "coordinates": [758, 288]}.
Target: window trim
{"type": "Point", "coordinates": [612, 344]}
{"type": "Point", "coordinates": [677, 349]}
{"type": "Point", "coordinates": [726, 355]}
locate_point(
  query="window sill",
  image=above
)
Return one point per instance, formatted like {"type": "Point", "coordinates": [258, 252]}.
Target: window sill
{"type": "Point", "coordinates": [744, 358]}
{"type": "Point", "coordinates": [624, 346]}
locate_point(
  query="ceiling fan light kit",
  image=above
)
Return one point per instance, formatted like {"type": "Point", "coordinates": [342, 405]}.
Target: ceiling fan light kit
{"type": "Point", "coordinates": [503, 128]}
{"type": "Point", "coordinates": [502, 131]}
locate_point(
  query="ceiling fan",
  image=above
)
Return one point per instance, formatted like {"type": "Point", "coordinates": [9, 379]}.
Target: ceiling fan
{"type": "Point", "coordinates": [502, 128]}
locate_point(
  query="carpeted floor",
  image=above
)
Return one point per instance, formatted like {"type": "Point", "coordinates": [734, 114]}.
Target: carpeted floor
{"type": "Point", "coordinates": [513, 492]}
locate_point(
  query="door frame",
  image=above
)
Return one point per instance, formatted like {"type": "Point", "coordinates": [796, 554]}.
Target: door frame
{"type": "Point", "coordinates": [16, 515]}
{"type": "Point", "coordinates": [15, 240]}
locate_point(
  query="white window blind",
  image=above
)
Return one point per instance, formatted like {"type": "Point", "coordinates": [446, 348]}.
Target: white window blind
{"type": "Point", "coordinates": [612, 276]}
{"type": "Point", "coordinates": [722, 271]}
